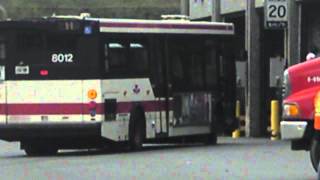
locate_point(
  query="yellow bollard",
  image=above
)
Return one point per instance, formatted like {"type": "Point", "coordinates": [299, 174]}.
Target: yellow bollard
{"type": "Point", "coordinates": [236, 133]}
{"type": "Point", "coordinates": [275, 122]}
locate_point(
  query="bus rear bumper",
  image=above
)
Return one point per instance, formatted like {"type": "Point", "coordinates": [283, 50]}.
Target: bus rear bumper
{"type": "Point", "coordinates": [291, 130]}
{"type": "Point", "coordinates": [18, 132]}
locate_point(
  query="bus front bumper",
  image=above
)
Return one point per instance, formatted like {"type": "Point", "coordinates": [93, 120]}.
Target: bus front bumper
{"type": "Point", "coordinates": [17, 132]}
{"type": "Point", "coordinates": [291, 130]}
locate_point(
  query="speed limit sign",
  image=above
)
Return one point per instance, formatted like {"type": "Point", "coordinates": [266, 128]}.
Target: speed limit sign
{"type": "Point", "coordinates": [276, 14]}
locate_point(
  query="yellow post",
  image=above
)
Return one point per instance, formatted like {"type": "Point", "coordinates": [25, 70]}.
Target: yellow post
{"type": "Point", "coordinates": [275, 122]}
{"type": "Point", "coordinates": [238, 109]}
{"type": "Point", "coordinates": [236, 133]}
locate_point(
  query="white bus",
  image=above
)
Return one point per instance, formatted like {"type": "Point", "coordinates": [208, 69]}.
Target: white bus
{"type": "Point", "coordinates": [82, 82]}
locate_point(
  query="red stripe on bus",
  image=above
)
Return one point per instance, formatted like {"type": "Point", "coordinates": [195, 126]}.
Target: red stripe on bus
{"type": "Point", "coordinates": [45, 109]}
{"type": "Point", "coordinates": [76, 108]}
{"type": "Point", "coordinates": [165, 26]}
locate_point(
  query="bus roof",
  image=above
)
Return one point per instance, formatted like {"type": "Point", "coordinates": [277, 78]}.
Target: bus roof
{"type": "Point", "coordinates": [163, 26]}
{"type": "Point", "coordinates": [148, 26]}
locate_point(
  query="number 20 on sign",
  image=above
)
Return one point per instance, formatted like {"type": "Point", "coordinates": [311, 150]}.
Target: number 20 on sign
{"type": "Point", "coordinates": [276, 14]}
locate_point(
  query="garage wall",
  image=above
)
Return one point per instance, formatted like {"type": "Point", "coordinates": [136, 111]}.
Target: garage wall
{"type": "Point", "coordinates": [150, 9]}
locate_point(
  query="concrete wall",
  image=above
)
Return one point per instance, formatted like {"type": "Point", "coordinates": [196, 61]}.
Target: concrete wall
{"type": "Point", "coordinates": [99, 8]}
{"type": "Point", "coordinates": [204, 8]}
{"type": "Point", "coordinates": [232, 6]}
{"type": "Point", "coordinates": [200, 8]}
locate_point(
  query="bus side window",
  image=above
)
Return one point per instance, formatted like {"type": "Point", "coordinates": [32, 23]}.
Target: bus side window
{"type": "Point", "coordinates": [125, 57]}
{"type": "Point", "coordinates": [106, 61]}
{"type": "Point", "coordinates": [211, 68]}
{"type": "Point", "coordinates": [177, 71]}
{"type": "Point", "coordinates": [138, 57]}
{"type": "Point", "coordinates": [2, 51]}
{"type": "Point", "coordinates": [115, 57]}
{"type": "Point", "coordinates": [196, 70]}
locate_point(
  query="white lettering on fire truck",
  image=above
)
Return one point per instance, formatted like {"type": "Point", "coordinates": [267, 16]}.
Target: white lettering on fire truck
{"type": "Point", "coordinates": [313, 79]}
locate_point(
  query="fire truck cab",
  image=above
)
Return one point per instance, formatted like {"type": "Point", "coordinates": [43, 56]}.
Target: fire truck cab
{"type": "Point", "coordinates": [301, 85]}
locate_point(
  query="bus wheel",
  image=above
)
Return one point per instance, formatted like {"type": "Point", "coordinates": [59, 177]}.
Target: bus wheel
{"type": "Point", "coordinates": [315, 153]}
{"type": "Point", "coordinates": [136, 130]}
{"type": "Point", "coordinates": [40, 150]}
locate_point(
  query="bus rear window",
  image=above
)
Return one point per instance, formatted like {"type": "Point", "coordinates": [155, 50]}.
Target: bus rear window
{"type": "Point", "coordinates": [60, 55]}
{"type": "Point", "coordinates": [39, 48]}
{"type": "Point", "coordinates": [27, 41]}
{"type": "Point", "coordinates": [65, 42]}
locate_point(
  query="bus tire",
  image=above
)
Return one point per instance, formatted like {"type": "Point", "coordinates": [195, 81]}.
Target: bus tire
{"type": "Point", "coordinates": [40, 150]}
{"type": "Point", "coordinates": [136, 130]}
{"type": "Point", "coordinates": [315, 153]}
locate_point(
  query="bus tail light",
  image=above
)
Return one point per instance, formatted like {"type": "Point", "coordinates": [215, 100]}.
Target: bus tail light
{"type": "Point", "coordinates": [44, 72]}
{"type": "Point", "coordinates": [291, 110]}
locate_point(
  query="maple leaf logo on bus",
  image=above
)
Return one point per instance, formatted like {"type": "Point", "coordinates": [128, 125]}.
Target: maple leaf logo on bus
{"type": "Point", "coordinates": [136, 89]}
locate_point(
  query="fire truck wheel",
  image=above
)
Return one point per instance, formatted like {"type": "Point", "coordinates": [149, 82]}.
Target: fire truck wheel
{"type": "Point", "coordinates": [40, 150]}
{"type": "Point", "coordinates": [315, 153]}
{"type": "Point", "coordinates": [136, 130]}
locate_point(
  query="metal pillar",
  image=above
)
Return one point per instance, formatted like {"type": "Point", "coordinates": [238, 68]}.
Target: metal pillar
{"type": "Point", "coordinates": [216, 11]}
{"type": "Point", "coordinates": [184, 7]}
{"type": "Point", "coordinates": [253, 98]}
{"type": "Point", "coordinates": [293, 43]}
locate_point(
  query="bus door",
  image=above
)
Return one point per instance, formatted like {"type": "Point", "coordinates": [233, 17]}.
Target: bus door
{"type": "Point", "coordinates": [159, 85]}
{"type": "Point", "coordinates": [2, 79]}
{"type": "Point", "coordinates": [190, 103]}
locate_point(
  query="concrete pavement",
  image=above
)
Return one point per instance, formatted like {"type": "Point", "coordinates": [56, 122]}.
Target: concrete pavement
{"type": "Point", "coordinates": [230, 159]}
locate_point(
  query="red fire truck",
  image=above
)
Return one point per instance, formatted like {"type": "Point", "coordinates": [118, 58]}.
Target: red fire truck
{"type": "Point", "coordinates": [300, 109]}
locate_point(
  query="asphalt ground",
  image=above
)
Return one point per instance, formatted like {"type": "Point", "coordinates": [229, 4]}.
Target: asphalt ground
{"type": "Point", "coordinates": [244, 158]}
